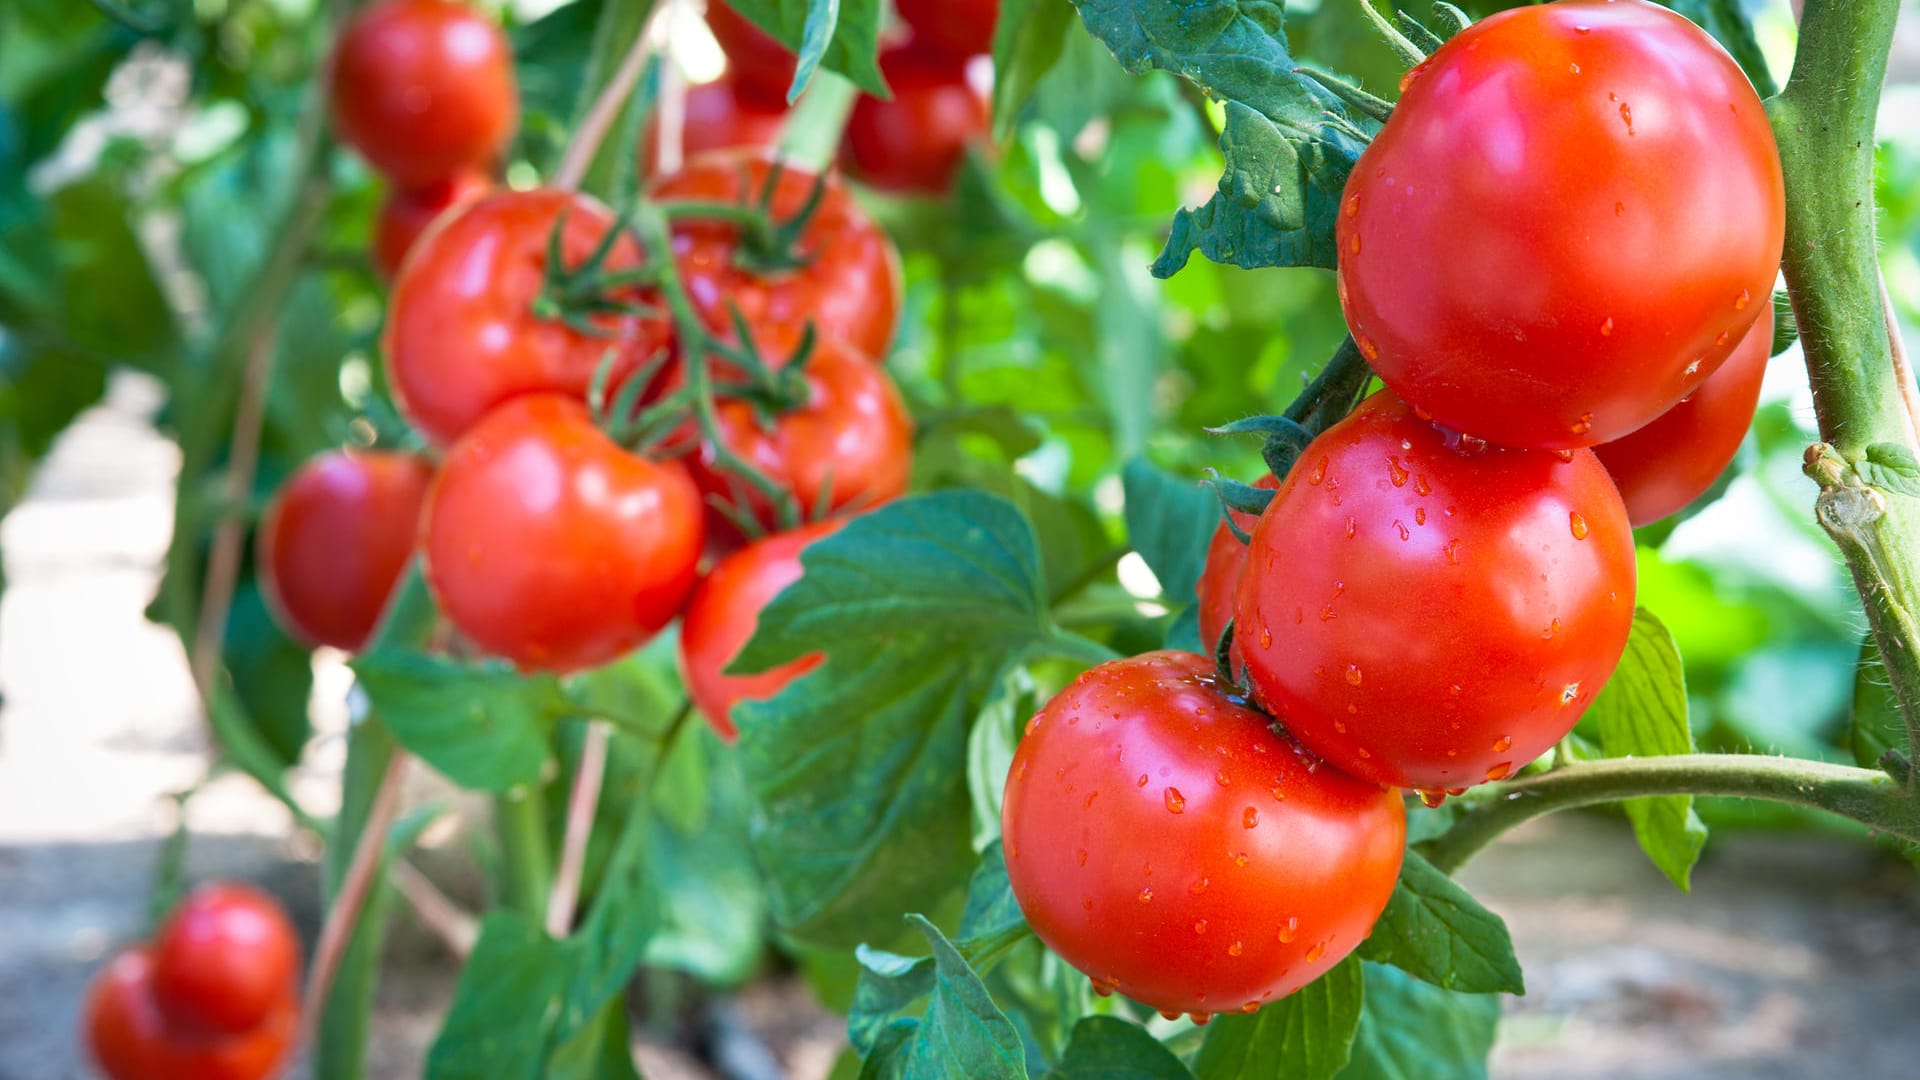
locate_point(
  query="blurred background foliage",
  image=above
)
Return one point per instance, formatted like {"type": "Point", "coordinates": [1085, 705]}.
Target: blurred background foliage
{"type": "Point", "coordinates": [151, 151]}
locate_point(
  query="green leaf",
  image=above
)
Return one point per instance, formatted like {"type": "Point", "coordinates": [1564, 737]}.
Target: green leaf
{"type": "Point", "coordinates": [1786, 328]}
{"type": "Point", "coordinates": [1289, 142]}
{"type": "Point", "coordinates": [1412, 1030]}
{"type": "Point", "coordinates": [845, 37]}
{"type": "Point", "coordinates": [272, 674]}
{"type": "Point", "coordinates": [1435, 930]}
{"type": "Point", "coordinates": [603, 1051]}
{"type": "Point", "coordinates": [1891, 467]}
{"type": "Point", "coordinates": [964, 1033]}
{"type": "Point", "coordinates": [1877, 726]}
{"type": "Point", "coordinates": [497, 1026]}
{"type": "Point", "coordinates": [1108, 1048]}
{"type": "Point", "coordinates": [1728, 22]}
{"type": "Point", "coordinates": [713, 906]}
{"type": "Point", "coordinates": [858, 770]}
{"type": "Point", "coordinates": [1307, 1035]}
{"type": "Point", "coordinates": [1132, 348]}
{"type": "Point", "coordinates": [1170, 522]}
{"type": "Point", "coordinates": [1643, 713]}
{"type": "Point", "coordinates": [1027, 42]}
{"type": "Point", "coordinates": [483, 725]}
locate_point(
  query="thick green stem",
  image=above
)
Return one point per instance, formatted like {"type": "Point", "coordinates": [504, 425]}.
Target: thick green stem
{"type": "Point", "coordinates": [1824, 122]}
{"type": "Point", "coordinates": [525, 855]}
{"type": "Point", "coordinates": [1869, 797]}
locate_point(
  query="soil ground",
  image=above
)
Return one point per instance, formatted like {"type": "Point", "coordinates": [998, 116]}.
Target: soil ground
{"type": "Point", "coordinates": [1787, 961]}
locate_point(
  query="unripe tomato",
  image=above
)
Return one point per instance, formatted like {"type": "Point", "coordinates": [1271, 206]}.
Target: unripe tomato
{"type": "Point", "coordinates": [1427, 616]}
{"type": "Point", "coordinates": [721, 115]}
{"type": "Point", "coordinates": [724, 613]}
{"type": "Point", "coordinates": [336, 539]}
{"type": "Point", "coordinates": [848, 445]}
{"type": "Point", "coordinates": [225, 960]}
{"type": "Point", "coordinates": [914, 144]}
{"type": "Point", "coordinates": [958, 28]}
{"type": "Point", "coordinates": [1219, 584]}
{"type": "Point", "coordinates": [462, 335]}
{"type": "Point", "coordinates": [1572, 217]}
{"type": "Point", "coordinates": [848, 281]}
{"type": "Point", "coordinates": [424, 89]}
{"type": "Point", "coordinates": [130, 1040]}
{"type": "Point", "coordinates": [1163, 839]}
{"type": "Point", "coordinates": [551, 546]}
{"type": "Point", "coordinates": [764, 67]}
{"type": "Point", "coordinates": [406, 212]}
{"type": "Point", "coordinates": [1674, 460]}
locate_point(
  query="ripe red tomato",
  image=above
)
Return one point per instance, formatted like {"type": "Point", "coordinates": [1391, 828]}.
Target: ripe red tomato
{"type": "Point", "coordinates": [225, 960]}
{"type": "Point", "coordinates": [848, 286]}
{"type": "Point", "coordinates": [1219, 583]}
{"type": "Point", "coordinates": [722, 115]}
{"type": "Point", "coordinates": [406, 213]}
{"type": "Point", "coordinates": [462, 336]}
{"type": "Point", "coordinates": [1162, 838]}
{"type": "Point", "coordinates": [1429, 617]}
{"type": "Point", "coordinates": [958, 28]}
{"type": "Point", "coordinates": [335, 540]}
{"type": "Point", "coordinates": [551, 546]}
{"type": "Point", "coordinates": [915, 142]}
{"type": "Point", "coordinates": [424, 89]}
{"type": "Point", "coordinates": [763, 65]}
{"type": "Point", "coordinates": [724, 613]}
{"type": "Point", "coordinates": [1674, 460]}
{"type": "Point", "coordinates": [1572, 217]}
{"type": "Point", "coordinates": [130, 1039]}
{"type": "Point", "coordinates": [849, 445]}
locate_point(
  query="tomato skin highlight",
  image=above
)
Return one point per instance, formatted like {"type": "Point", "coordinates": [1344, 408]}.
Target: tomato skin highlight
{"type": "Point", "coordinates": [763, 66]}
{"type": "Point", "coordinates": [723, 115]}
{"type": "Point", "coordinates": [850, 445]}
{"type": "Point", "coordinates": [226, 958]}
{"type": "Point", "coordinates": [1219, 584]}
{"type": "Point", "coordinates": [849, 288]}
{"type": "Point", "coordinates": [1165, 840]}
{"type": "Point", "coordinates": [1572, 217]}
{"type": "Point", "coordinates": [335, 541]}
{"type": "Point", "coordinates": [129, 1038]}
{"type": "Point", "coordinates": [725, 611]}
{"type": "Point", "coordinates": [406, 212]}
{"type": "Point", "coordinates": [1665, 466]}
{"type": "Point", "coordinates": [1428, 618]}
{"type": "Point", "coordinates": [424, 89]}
{"type": "Point", "coordinates": [915, 143]}
{"type": "Point", "coordinates": [956, 28]}
{"type": "Point", "coordinates": [550, 546]}
{"type": "Point", "coordinates": [461, 335]}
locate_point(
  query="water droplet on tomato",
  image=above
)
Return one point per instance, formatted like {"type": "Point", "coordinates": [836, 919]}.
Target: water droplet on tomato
{"type": "Point", "coordinates": [1500, 771]}
{"type": "Point", "coordinates": [1573, 68]}
{"type": "Point", "coordinates": [1419, 515]}
{"type": "Point", "coordinates": [1249, 818]}
{"type": "Point", "coordinates": [1503, 744]}
{"type": "Point", "coordinates": [1453, 552]}
{"type": "Point", "coordinates": [1367, 348]}
{"type": "Point", "coordinates": [1200, 1019]}
{"type": "Point", "coordinates": [1353, 527]}
{"type": "Point", "coordinates": [1146, 895]}
{"type": "Point", "coordinates": [1250, 1008]}
{"type": "Point", "coordinates": [1578, 524]}
{"type": "Point", "coordinates": [1142, 782]}
{"type": "Point", "coordinates": [1606, 327]}
{"type": "Point", "coordinates": [1315, 951]}
{"type": "Point", "coordinates": [1396, 471]}
{"type": "Point", "coordinates": [1433, 800]}
{"type": "Point", "coordinates": [1353, 205]}
{"type": "Point", "coordinates": [1240, 858]}
{"type": "Point", "coordinates": [1740, 302]}
{"type": "Point", "coordinates": [1353, 244]}
{"type": "Point", "coordinates": [1266, 638]}
{"type": "Point", "coordinates": [1200, 886]}
{"type": "Point", "coordinates": [1236, 949]}
{"type": "Point", "coordinates": [1288, 929]}
{"type": "Point", "coordinates": [1401, 528]}
{"type": "Point", "coordinates": [1584, 424]}
{"type": "Point", "coordinates": [1354, 675]}
{"type": "Point", "coordinates": [1626, 116]}
{"type": "Point", "coordinates": [1176, 803]}
{"type": "Point", "coordinates": [1200, 926]}
{"type": "Point", "coordinates": [1319, 472]}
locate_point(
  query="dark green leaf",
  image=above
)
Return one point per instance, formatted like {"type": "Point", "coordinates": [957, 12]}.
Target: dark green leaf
{"type": "Point", "coordinates": [603, 1051]}
{"type": "Point", "coordinates": [964, 1033]}
{"type": "Point", "coordinates": [1026, 44]}
{"type": "Point", "coordinates": [1108, 1048]}
{"type": "Point", "coordinates": [1307, 1035]}
{"type": "Point", "coordinates": [1786, 329]}
{"type": "Point", "coordinates": [858, 770]}
{"type": "Point", "coordinates": [1727, 21]}
{"type": "Point", "coordinates": [1412, 1030]}
{"type": "Point", "coordinates": [1170, 522]}
{"type": "Point", "coordinates": [272, 674]}
{"type": "Point", "coordinates": [497, 1026]}
{"type": "Point", "coordinates": [850, 50]}
{"type": "Point", "coordinates": [482, 724]}
{"type": "Point", "coordinates": [1891, 467]}
{"type": "Point", "coordinates": [1643, 713]}
{"type": "Point", "coordinates": [1435, 930]}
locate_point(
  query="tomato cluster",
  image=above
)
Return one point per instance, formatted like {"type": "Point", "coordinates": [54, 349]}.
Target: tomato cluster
{"type": "Point", "coordinates": [215, 996]}
{"type": "Point", "coordinates": [1443, 581]}
{"type": "Point", "coordinates": [909, 143]}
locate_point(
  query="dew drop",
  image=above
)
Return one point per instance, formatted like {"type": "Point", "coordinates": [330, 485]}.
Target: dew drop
{"type": "Point", "coordinates": [1353, 528]}
{"type": "Point", "coordinates": [1266, 638]}
{"type": "Point", "coordinates": [1626, 116]}
{"type": "Point", "coordinates": [1353, 205]}
{"type": "Point", "coordinates": [1578, 524]}
{"type": "Point", "coordinates": [1421, 486]}
{"type": "Point", "coordinates": [1353, 245]}
{"type": "Point", "coordinates": [1146, 895]}
{"type": "Point", "coordinates": [1169, 1014]}
{"type": "Point", "coordinates": [1199, 887]}
{"type": "Point", "coordinates": [1319, 472]}
{"type": "Point", "coordinates": [1340, 726]}
{"type": "Point", "coordinates": [1236, 949]}
{"type": "Point", "coordinates": [1249, 818]}
{"type": "Point", "coordinates": [1288, 929]}
{"type": "Point", "coordinates": [1584, 424]}
{"type": "Point", "coordinates": [1240, 858]}
{"type": "Point", "coordinates": [1573, 69]}
{"type": "Point", "coordinates": [1354, 675]}
{"type": "Point", "coordinates": [1720, 338]}
{"type": "Point", "coordinates": [1503, 744]}
{"type": "Point", "coordinates": [1176, 803]}
{"type": "Point", "coordinates": [1433, 800]}
{"type": "Point", "coordinates": [1200, 1019]}
{"type": "Point", "coordinates": [1396, 472]}
{"type": "Point", "coordinates": [1453, 552]}
{"type": "Point", "coordinates": [1606, 328]}
{"type": "Point", "coordinates": [1552, 631]}
{"type": "Point", "coordinates": [1250, 1008]}
{"type": "Point", "coordinates": [1419, 515]}
{"type": "Point", "coordinates": [1740, 302]}
{"type": "Point", "coordinates": [1401, 528]}
{"type": "Point", "coordinates": [1104, 989]}
{"type": "Point", "coordinates": [1200, 926]}
{"type": "Point", "coordinates": [1565, 457]}
{"type": "Point", "coordinates": [1315, 951]}
{"type": "Point", "coordinates": [1279, 794]}
{"type": "Point", "coordinates": [1142, 782]}
{"type": "Point", "coordinates": [1500, 771]}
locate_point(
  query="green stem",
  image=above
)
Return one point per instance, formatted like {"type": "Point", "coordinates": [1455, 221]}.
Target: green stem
{"type": "Point", "coordinates": [621, 22]}
{"type": "Point", "coordinates": [812, 132]}
{"type": "Point", "coordinates": [1869, 797]}
{"type": "Point", "coordinates": [1824, 123]}
{"type": "Point", "coordinates": [526, 857]}
{"type": "Point", "coordinates": [340, 1039]}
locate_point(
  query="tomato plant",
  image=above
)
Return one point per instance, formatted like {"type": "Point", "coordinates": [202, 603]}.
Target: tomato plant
{"type": "Point", "coordinates": [915, 141]}
{"type": "Point", "coordinates": [549, 545]}
{"type": "Point", "coordinates": [1221, 870]}
{"type": "Point", "coordinates": [337, 538]}
{"type": "Point", "coordinates": [1606, 282]}
{"type": "Point", "coordinates": [424, 89]}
